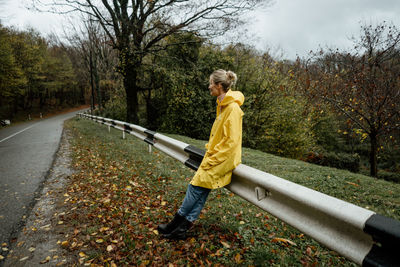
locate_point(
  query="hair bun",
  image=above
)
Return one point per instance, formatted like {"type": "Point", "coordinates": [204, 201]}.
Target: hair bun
{"type": "Point", "coordinates": [226, 78]}
{"type": "Point", "coordinates": [231, 77]}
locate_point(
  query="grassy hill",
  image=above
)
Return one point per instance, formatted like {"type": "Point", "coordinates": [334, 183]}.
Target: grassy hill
{"type": "Point", "coordinates": [121, 192]}
{"type": "Point", "coordinates": [377, 195]}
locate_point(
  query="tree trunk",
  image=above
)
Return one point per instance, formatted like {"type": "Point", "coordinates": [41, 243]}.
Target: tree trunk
{"type": "Point", "coordinates": [91, 81]}
{"type": "Point", "coordinates": [151, 111]}
{"type": "Point", "coordinates": [82, 99]}
{"type": "Point", "coordinates": [41, 101]}
{"type": "Point", "coordinates": [97, 83]}
{"type": "Point", "coordinates": [373, 155]}
{"type": "Point", "coordinates": [131, 89]}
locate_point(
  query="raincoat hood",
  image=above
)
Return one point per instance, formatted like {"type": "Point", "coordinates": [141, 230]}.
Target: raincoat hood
{"type": "Point", "coordinates": [232, 96]}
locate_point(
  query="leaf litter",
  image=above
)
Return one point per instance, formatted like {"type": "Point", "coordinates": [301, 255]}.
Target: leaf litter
{"type": "Point", "coordinates": [116, 200]}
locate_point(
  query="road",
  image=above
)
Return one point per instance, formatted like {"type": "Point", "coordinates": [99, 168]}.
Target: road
{"type": "Point", "coordinates": [27, 151]}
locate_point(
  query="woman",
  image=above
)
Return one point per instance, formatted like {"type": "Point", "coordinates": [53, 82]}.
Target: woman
{"type": "Point", "coordinates": [223, 154]}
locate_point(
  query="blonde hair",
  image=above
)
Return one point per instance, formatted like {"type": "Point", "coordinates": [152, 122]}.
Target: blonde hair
{"type": "Point", "coordinates": [226, 78]}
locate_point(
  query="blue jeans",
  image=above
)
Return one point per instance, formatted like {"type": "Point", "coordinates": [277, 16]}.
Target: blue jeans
{"type": "Point", "coordinates": [193, 203]}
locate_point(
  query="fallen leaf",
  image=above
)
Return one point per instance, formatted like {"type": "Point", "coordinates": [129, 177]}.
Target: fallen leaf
{"type": "Point", "coordinates": [128, 188]}
{"type": "Point", "coordinates": [308, 251]}
{"type": "Point", "coordinates": [82, 255]}
{"type": "Point", "coordinates": [238, 258]}
{"type": "Point", "coordinates": [24, 259]}
{"type": "Point", "coordinates": [133, 183]}
{"type": "Point", "coordinates": [353, 184]}
{"type": "Point", "coordinates": [225, 244]}
{"type": "Point", "coordinates": [47, 259]}
{"type": "Point", "coordinates": [283, 240]}
{"type": "Point", "coordinates": [31, 249]}
{"type": "Point", "coordinates": [99, 240]}
{"type": "Point", "coordinates": [109, 248]}
{"type": "Point", "coordinates": [64, 243]}
{"type": "Point", "coordinates": [102, 229]}
{"type": "Point", "coordinates": [1, 257]}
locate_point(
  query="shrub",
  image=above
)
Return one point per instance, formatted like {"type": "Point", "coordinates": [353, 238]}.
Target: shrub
{"type": "Point", "coordinates": [115, 108]}
{"type": "Point", "coordinates": [345, 161]}
{"type": "Point", "coordinates": [389, 176]}
{"type": "Point", "coordinates": [276, 120]}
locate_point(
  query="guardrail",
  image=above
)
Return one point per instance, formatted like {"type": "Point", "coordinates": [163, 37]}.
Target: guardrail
{"type": "Point", "coordinates": [361, 235]}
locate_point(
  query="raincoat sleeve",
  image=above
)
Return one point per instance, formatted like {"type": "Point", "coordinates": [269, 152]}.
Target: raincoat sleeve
{"type": "Point", "coordinates": [232, 133]}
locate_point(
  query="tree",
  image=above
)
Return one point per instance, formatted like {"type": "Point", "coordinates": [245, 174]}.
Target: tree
{"type": "Point", "coordinates": [137, 28]}
{"type": "Point", "coordinates": [94, 57]}
{"type": "Point", "coordinates": [35, 73]}
{"type": "Point", "coordinates": [275, 118]}
{"type": "Point", "coordinates": [12, 78]}
{"type": "Point", "coordinates": [189, 108]}
{"type": "Point", "coordinates": [59, 77]}
{"type": "Point", "coordinates": [363, 85]}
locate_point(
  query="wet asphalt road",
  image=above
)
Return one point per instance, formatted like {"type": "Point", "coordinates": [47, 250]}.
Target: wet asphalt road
{"type": "Point", "coordinates": [27, 151]}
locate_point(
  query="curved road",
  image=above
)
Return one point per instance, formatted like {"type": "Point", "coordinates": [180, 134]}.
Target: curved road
{"type": "Point", "coordinates": [27, 151]}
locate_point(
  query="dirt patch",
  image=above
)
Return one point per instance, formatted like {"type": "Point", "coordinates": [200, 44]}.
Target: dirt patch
{"type": "Point", "coordinates": [40, 241]}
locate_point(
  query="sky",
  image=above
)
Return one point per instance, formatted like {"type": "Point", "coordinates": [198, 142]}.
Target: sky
{"type": "Point", "coordinates": [289, 28]}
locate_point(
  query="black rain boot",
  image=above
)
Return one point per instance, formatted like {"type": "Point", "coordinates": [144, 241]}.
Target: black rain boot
{"type": "Point", "coordinates": [181, 231]}
{"type": "Point", "coordinates": [172, 225]}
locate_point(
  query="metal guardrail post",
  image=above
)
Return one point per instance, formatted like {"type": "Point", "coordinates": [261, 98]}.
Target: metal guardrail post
{"type": "Point", "coordinates": [360, 235]}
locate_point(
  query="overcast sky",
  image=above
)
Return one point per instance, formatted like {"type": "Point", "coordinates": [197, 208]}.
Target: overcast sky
{"type": "Point", "coordinates": [293, 26]}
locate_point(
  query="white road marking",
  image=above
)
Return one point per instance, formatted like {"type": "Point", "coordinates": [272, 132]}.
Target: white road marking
{"type": "Point", "coordinates": [17, 133]}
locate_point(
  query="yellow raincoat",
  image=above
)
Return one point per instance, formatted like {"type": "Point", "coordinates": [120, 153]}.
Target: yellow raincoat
{"type": "Point", "coordinates": [224, 149]}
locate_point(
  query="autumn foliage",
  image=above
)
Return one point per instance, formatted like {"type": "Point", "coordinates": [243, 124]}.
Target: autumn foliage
{"type": "Point", "coordinates": [362, 85]}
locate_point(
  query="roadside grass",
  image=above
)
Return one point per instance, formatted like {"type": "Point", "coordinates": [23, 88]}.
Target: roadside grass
{"type": "Point", "coordinates": [121, 192]}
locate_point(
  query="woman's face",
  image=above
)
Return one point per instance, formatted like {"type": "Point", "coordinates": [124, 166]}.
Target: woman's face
{"type": "Point", "coordinates": [215, 89]}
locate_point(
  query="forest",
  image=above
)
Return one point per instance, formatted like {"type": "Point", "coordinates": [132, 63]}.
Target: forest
{"type": "Point", "coordinates": [334, 108]}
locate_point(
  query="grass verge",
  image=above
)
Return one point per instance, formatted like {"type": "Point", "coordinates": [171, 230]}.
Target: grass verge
{"type": "Point", "coordinates": [121, 192]}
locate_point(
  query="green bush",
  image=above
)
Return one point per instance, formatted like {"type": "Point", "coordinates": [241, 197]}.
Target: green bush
{"type": "Point", "coordinates": [115, 108]}
{"type": "Point", "coordinates": [389, 176]}
{"type": "Point", "coordinates": [345, 161]}
{"type": "Point", "coordinates": [190, 111]}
